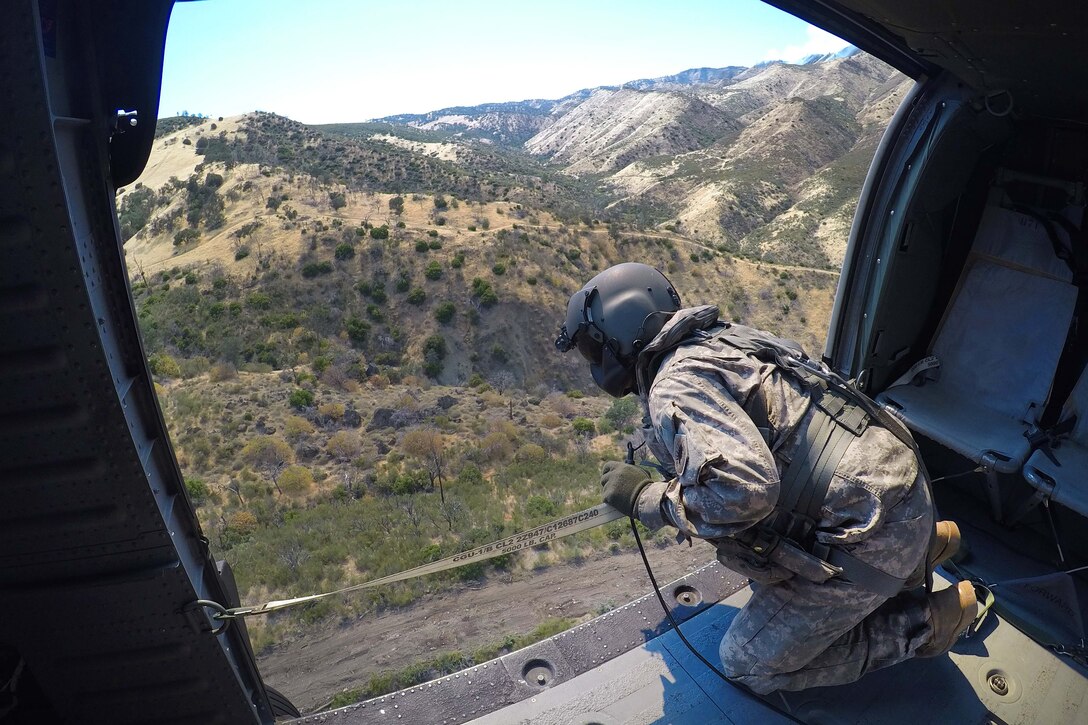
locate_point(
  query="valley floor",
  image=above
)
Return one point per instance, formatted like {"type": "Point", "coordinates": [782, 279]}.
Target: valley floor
{"type": "Point", "coordinates": [335, 657]}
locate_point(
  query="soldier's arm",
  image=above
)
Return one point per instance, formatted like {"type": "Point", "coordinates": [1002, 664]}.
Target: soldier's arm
{"type": "Point", "coordinates": [726, 478]}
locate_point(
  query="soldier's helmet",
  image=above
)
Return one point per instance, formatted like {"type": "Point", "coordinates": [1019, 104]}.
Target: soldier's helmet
{"type": "Point", "coordinates": [613, 317]}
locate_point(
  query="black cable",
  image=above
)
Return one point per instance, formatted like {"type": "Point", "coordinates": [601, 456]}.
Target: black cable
{"type": "Point", "coordinates": [676, 627]}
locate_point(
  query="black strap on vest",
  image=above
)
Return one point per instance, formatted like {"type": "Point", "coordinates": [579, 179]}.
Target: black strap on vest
{"type": "Point", "coordinates": [841, 414]}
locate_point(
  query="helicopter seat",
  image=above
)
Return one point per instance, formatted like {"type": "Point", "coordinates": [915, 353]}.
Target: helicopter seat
{"type": "Point", "coordinates": [1059, 471]}
{"type": "Point", "coordinates": [996, 348]}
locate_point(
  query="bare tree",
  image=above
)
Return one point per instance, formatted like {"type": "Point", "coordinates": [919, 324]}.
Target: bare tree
{"type": "Point", "coordinates": [388, 522]}
{"type": "Point", "coordinates": [450, 510]}
{"type": "Point", "coordinates": [351, 483]}
{"type": "Point", "coordinates": [429, 446]}
{"type": "Point", "coordinates": [140, 271]}
{"type": "Point", "coordinates": [235, 487]}
{"type": "Point", "coordinates": [502, 380]}
{"type": "Point", "coordinates": [270, 455]}
{"type": "Point", "coordinates": [294, 555]}
{"type": "Point", "coordinates": [410, 506]}
{"type": "Point", "coordinates": [581, 446]}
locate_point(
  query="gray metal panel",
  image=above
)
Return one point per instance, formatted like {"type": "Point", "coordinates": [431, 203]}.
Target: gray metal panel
{"type": "Point", "coordinates": [100, 552]}
{"type": "Point", "coordinates": [662, 682]}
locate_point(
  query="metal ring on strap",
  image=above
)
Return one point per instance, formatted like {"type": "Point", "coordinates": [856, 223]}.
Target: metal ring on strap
{"type": "Point", "coordinates": [221, 613]}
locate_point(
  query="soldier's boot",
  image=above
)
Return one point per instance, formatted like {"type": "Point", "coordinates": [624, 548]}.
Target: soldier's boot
{"type": "Point", "coordinates": [942, 547]}
{"type": "Point", "coordinates": [951, 611]}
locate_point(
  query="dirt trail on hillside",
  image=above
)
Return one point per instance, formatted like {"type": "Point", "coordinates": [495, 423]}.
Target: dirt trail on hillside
{"type": "Point", "coordinates": [336, 657]}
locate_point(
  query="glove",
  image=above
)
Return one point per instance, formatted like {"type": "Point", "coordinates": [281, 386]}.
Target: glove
{"type": "Point", "coordinates": [622, 484]}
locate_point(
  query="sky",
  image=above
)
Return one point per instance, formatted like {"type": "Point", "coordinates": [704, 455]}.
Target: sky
{"type": "Point", "coordinates": [333, 61]}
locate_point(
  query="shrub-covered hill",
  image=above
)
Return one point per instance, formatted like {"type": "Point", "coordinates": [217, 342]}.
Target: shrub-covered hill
{"type": "Point", "coordinates": [269, 267]}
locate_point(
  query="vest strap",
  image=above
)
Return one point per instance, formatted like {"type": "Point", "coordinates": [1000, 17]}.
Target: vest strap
{"type": "Point", "coordinates": [841, 413]}
{"type": "Point", "coordinates": [859, 572]}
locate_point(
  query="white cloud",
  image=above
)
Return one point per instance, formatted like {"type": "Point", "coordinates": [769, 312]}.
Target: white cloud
{"type": "Point", "coordinates": [818, 42]}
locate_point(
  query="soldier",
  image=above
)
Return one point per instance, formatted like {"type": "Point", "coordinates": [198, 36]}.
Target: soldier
{"type": "Point", "coordinates": [798, 480]}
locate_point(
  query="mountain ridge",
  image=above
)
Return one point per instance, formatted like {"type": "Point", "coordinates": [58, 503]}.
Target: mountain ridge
{"type": "Point", "coordinates": [542, 107]}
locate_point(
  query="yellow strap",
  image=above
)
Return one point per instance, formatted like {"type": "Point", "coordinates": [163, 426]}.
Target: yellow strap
{"type": "Point", "coordinates": [572, 524]}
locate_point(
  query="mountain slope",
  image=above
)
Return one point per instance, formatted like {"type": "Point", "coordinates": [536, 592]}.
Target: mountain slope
{"type": "Point", "coordinates": [724, 155]}
{"type": "Point", "coordinates": [612, 129]}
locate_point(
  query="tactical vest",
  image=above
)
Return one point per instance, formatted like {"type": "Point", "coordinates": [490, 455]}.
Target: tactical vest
{"type": "Point", "coordinates": [786, 538]}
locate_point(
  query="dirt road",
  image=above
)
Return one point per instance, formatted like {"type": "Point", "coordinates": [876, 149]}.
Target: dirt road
{"type": "Point", "coordinates": [336, 657]}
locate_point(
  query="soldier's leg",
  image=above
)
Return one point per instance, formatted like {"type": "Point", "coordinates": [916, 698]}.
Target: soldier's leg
{"type": "Point", "coordinates": [797, 634]}
{"type": "Point", "coordinates": [792, 637]}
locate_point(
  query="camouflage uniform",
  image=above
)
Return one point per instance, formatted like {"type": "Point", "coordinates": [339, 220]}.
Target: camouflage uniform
{"type": "Point", "coordinates": [725, 475]}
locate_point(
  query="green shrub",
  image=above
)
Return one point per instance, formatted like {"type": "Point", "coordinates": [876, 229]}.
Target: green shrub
{"type": "Point", "coordinates": [350, 697]}
{"type": "Point", "coordinates": [301, 398]}
{"type": "Point", "coordinates": [531, 453]}
{"type": "Point", "coordinates": [417, 296]}
{"type": "Point", "coordinates": [433, 271]}
{"type": "Point", "coordinates": [296, 480]}
{"type": "Point", "coordinates": [435, 346]}
{"type": "Point", "coordinates": [444, 312]}
{"type": "Point", "coordinates": [621, 412]}
{"type": "Point", "coordinates": [458, 260]}
{"type": "Point", "coordinates": [583, 426]}
{"type": "Point", "coordinates": [315, 269]}
{"type": "Point", "coordinates": [198, 491]}
{"type": "Point", "coordinates": [357, 330]}
{"type": "Point", "coordinates": [337, 200]}
{"type": "Point", "coordinates": [434, 352]}
{"type": "Point", "coordinates": [375, 290]}
{"type": "Point", "coordinates": [344, 251]}
{"type": "Point", "coordinates": [135, 211]}
{"type": "Point", "coordinates": [540, 506]}
{"type": "Point", "coordinates": [381, 232]}
{"type": "Point", "coordinates": [434, 243]}
{"type": "Point", "coordinates": [241, 253]}
{"type": "Point", "coordinates": [185, 236]}
{"type": "Point", "coordinates": [499, 269]}
{"type": "Point", "coordinates": [482, 290]}
{"type": "Point", "coordinates": [421, 246]}
{"type": "Point", "coordinates": [164, 366]}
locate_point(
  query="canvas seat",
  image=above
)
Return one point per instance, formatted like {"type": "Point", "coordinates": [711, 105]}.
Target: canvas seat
{"type": "Point", "coordinates": [1059, 472]}
{"type": "Point", "coordinates": [998, 347]}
